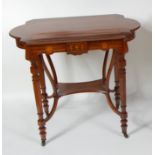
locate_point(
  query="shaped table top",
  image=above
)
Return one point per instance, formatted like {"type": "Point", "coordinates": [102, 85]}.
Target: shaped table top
{"type": "Point", "coordinates": [75, 29]}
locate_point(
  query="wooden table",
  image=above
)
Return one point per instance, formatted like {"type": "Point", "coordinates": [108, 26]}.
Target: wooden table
{"type": "Point", "coordinates": [76, 35]}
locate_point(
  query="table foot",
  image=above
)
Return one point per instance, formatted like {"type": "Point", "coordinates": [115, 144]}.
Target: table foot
{"type": "Point", "coordinates": [125, 135]}
{"type": "Point", "coordinates": [43, 142]}
{"type": "Point", "coordinates": [124, 131]}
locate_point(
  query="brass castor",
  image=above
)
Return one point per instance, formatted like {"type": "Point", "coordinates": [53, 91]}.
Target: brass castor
{"type": "Point", "coordinates": [124, 131]}
{"type": "Point", "coordinates": [125, 135]}
{"type": "Point", "coordinates": [43, 142]}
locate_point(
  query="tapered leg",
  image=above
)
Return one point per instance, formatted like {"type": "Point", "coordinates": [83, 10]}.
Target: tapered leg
{"type": "Point", "coordinates": [122, 81]}
{"type": "Point", "coordinates": [43, 88]}
{"type": "Point", "coordinates": [36, 85]}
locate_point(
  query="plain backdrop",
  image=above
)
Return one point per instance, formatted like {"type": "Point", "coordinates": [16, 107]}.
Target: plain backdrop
{"type": "Point", "coordinates": [82, 123]}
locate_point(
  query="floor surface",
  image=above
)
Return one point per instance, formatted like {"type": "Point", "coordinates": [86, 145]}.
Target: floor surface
{"type": "Point", "coordinates": [84, 125]}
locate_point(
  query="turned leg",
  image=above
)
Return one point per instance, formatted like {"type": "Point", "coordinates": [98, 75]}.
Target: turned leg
{"type": "Point", "coordinates": [43, 88]}
{"type": "Point", "coordinates": [122, 81]}
{"type": "Point", "coordinates": [117, 92]}
{"type": "Point", "coordinates": [36, 85]}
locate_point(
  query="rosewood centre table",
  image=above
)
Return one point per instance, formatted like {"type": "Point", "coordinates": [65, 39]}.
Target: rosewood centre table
{"type": "Point", "coordinates": [76, 35]}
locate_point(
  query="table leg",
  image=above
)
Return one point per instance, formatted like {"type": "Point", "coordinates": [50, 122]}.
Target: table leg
{"type": "Point", "coordinates": [117, 92]}
{"type": "Point", "coordinates": [122, 80]}
{"type": "Point", "coordinates": [43, 88]}
{"type": "Point", "coordinates": [35, 70]}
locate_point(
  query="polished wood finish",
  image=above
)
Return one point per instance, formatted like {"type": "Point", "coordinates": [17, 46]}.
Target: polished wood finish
{"type": "Point", "coordinates": [72, 88]}
{"type": "Point", "coordinates": [76, 35]}
{"type": "Point", "coordinates": [75, 29]}
{"type": "Point", "coordinates": [35, 70]}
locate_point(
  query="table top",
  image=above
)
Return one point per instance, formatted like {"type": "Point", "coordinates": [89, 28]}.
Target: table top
{"type": "Point", "coordinates": [75, 29]}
